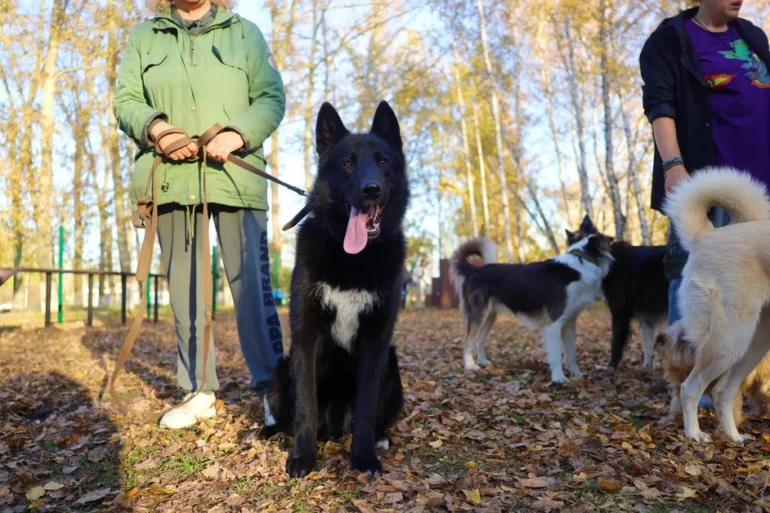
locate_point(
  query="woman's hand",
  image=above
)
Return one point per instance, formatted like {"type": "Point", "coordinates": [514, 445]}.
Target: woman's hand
{"type": "Point", "coordinates": [185, 152]}
{"type": "Point", "coordinates": [223, 144]}
{"type": "Point", "coordinates": [674, 176]}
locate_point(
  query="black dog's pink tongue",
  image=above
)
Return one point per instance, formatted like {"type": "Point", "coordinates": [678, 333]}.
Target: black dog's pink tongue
{"type": "Point", "coordinates": [356, 236]}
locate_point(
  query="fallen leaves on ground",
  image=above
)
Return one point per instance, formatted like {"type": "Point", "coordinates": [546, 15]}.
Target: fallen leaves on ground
{"type": "Point", "coordinates": [499, 440]}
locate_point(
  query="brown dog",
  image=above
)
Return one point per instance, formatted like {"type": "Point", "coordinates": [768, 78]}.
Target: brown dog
{"type": "Point", "coordinates": [677, 356]}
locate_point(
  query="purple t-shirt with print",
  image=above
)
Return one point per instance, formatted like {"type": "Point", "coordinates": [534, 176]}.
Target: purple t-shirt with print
{"type": "Point", "coordinates": [739, 93]}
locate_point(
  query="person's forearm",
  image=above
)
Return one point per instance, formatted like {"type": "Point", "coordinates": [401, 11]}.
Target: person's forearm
{"type": "Point", "coordinates": [664, 130]}
{"type": "Point", "coordinates": [157, 129]}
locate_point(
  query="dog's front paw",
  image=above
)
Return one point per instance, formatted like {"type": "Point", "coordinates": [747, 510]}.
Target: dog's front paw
{"type": "Point", "coordinates": [367, 464]}
{"type": "Point", "coordinates": [699, 436]}
{"type": "Point", "coordinates": [667, 421]}
{"type": "Point", "coordinates": [300, 465]}
{"type": "Point", "coordinates": [559, 378]}
{"type": "Point", "coordinates": [384, 443]}
{"type": "Point", "coordinates": [741, 438]}
{"type": "Point", "coordinates": [471, 367]}
{"type": "Point", "coordinates": [484, 361]}
{"type": "Point", "coordinates": [576, 373]}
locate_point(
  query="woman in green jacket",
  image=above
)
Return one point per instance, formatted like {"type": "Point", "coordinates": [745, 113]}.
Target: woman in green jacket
{"type": "Point", "coordinates": [194, 64]}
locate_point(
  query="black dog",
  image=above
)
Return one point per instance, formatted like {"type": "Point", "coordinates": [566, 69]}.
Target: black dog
{"type": "Point", "coordinates": [342, 374]}
{"type": "Point", "coordinates": [635, 288]}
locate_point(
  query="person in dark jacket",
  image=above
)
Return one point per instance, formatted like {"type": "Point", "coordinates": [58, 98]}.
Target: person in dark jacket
{"type": "Point", "coordinates": [707, 94]}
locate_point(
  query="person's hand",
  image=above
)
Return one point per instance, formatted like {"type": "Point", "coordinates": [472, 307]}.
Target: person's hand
{"type": "Point", "coordinates": [223, 144]}
{"type": "Point", "coordinates": [185, 152]}
{"type": "Point", "coordinates": [674, 176]}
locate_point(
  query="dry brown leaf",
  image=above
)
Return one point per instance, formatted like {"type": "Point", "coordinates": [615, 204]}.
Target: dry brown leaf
{"type": "Point", "coordinates": [536, 482]}
{"type": "Point", "coordinates": [94, 496]}
{"type": "Point", "coordinates": [609, 485]}
{"type": "Point", "coordinates": [547, 504]}
{"type": "Point", "coordinates": [473, 496]}
{"type": "Point", "coordinates": [35, 493]}
{"type": "Point", "coordinates": [363, 506]}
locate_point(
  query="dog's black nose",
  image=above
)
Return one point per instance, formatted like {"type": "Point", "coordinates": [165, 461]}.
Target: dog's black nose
{"type": "Point", "coordinates": [371, 189]}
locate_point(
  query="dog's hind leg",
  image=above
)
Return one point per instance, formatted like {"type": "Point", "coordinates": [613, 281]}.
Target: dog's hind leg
{"type": "Point", "coordinates": [649, 327]}
{"type": "Point", "coordinates": [708, 367]}
{"type": "Point", "coordinates": [568, 333]}
{"type": "Point", "coordinates": [481, 341]}
{"type": "Point", "coordinates": [552, 343]}
{"type": "Point", "coordinates": [727, 389]}
{"type": "Point", "coordinates": [674, 407]}
{"type": "Point", "coordinates": [471, 332]}
{"type": "Point", "coordinates": [621, 323]}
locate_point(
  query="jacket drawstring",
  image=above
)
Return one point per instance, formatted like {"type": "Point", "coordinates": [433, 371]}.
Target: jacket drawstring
{"type": "Point", "coordinates": [191, 208]}
{"type": "Point", "coordinates": [190, 223]}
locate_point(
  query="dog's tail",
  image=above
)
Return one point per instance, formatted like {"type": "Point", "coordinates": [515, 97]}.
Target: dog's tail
{"type": "Point", "coordinates": [459, 267]}
{"type": "Point", "coordinates": [742, 197]}
{"type": "Point", "coordinates": [675, 347]}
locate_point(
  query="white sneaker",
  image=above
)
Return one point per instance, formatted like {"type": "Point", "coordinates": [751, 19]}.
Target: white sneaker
{"type": "Point", "coordinates": [269, 419]}
{"type": "Point", "coordinates": [200, 407]}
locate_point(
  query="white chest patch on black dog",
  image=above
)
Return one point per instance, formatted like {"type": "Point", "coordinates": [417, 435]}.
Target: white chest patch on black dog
{"type": "Point", "coordinates": [347, 306]}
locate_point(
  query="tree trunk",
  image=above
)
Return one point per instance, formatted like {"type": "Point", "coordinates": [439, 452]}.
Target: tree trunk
{"type": "Point", "coordinates": [547, 229]}
{"type": "Point", "coordinates": [17, 214]}
{"type": "Point", "coordinates": [308, 146]}
{"type": "Point", "coordinates": [466, 155]}
{"type": "Point", "coordinates": [275, 206]}
{"type": "Point", "coordinates": [633, 173]}
{"type": "Point", "coordinates": [482, 170]}
{"type": "Point", "coordinates": [548, 93]}
{"type": "Point", "coordinates": [45, 201]}
{"type": "Point", "coordinates": [498, 137]}
{"type": "Point", "coordinates": [609, 154]}
{"type": "Point", "coordinates": [77, 211]}
{"type": "Point", "coordinates": [577, 111]}
{"type": "Point", "coordinates": [518, 146]}
{"type": "Point", "coordinates": [113, 143]}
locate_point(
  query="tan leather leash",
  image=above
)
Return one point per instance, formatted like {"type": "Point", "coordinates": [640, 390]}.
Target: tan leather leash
{"type": "Point", "coordinates": [146, 216]}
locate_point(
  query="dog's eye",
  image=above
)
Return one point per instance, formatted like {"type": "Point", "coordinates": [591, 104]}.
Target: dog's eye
{"type": "Point", "coordinates": [382, 162]}
{"type": "Point", "coordinates": [348, 164]}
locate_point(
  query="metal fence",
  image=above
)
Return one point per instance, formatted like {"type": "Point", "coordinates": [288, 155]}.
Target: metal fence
{"type": "Point", "coordinates": [14, 274]}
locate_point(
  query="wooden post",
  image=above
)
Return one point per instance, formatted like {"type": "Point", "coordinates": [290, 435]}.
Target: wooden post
{"type": "Point", "coordinates": [47, 299]}
{"type": "Point", "coordinates": [447, 291]}
{"type": "Point", "coordinates": [123, 298]}
{"type": "Point", "coordinates": [155, 303]}
{"type": "Point", "coordinates": [90, 320]}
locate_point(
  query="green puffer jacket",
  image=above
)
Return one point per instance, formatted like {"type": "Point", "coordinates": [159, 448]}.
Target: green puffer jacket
{"type": "Point", "coordinates": [225, 75]}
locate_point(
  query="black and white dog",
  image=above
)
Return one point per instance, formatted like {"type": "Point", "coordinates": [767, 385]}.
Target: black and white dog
{"type": "Point", "coordinates": [546, 295]}
{"type": "Point", "coordinates": [635, 288]}
{"type": "Point", "coordinates": [342, 373]}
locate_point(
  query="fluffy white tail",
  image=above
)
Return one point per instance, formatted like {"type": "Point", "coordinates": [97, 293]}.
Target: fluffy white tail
{"type": "Point", "coordinates": [459, 267]}
{"type": "Point", "coordinates": [744, 198]}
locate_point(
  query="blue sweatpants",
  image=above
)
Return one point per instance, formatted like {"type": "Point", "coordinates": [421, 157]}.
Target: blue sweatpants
{"type": "Point", "coordinates": [243, 245]}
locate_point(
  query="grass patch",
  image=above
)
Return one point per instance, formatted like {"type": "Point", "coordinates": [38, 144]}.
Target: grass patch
{"type": "Point", "coordinates": [185, 465]}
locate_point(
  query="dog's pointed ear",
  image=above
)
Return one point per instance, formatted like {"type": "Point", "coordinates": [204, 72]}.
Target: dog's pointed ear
{"type": "Point", "coordinates": [385, 125]}
{"type": "Point", "coordinates": [587, 226]}
{"type": "Point", "coordinates": [571, 237]}
{"type": "Point", "coordinates": [329, 129]}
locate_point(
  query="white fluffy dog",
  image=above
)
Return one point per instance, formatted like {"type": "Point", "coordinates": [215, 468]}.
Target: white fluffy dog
{"type": "Point", "coordinates": [725, 288]}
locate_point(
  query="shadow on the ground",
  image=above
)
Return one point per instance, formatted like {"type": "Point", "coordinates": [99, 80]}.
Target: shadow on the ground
{"type": "Point", "coordinates": [58, 450]}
